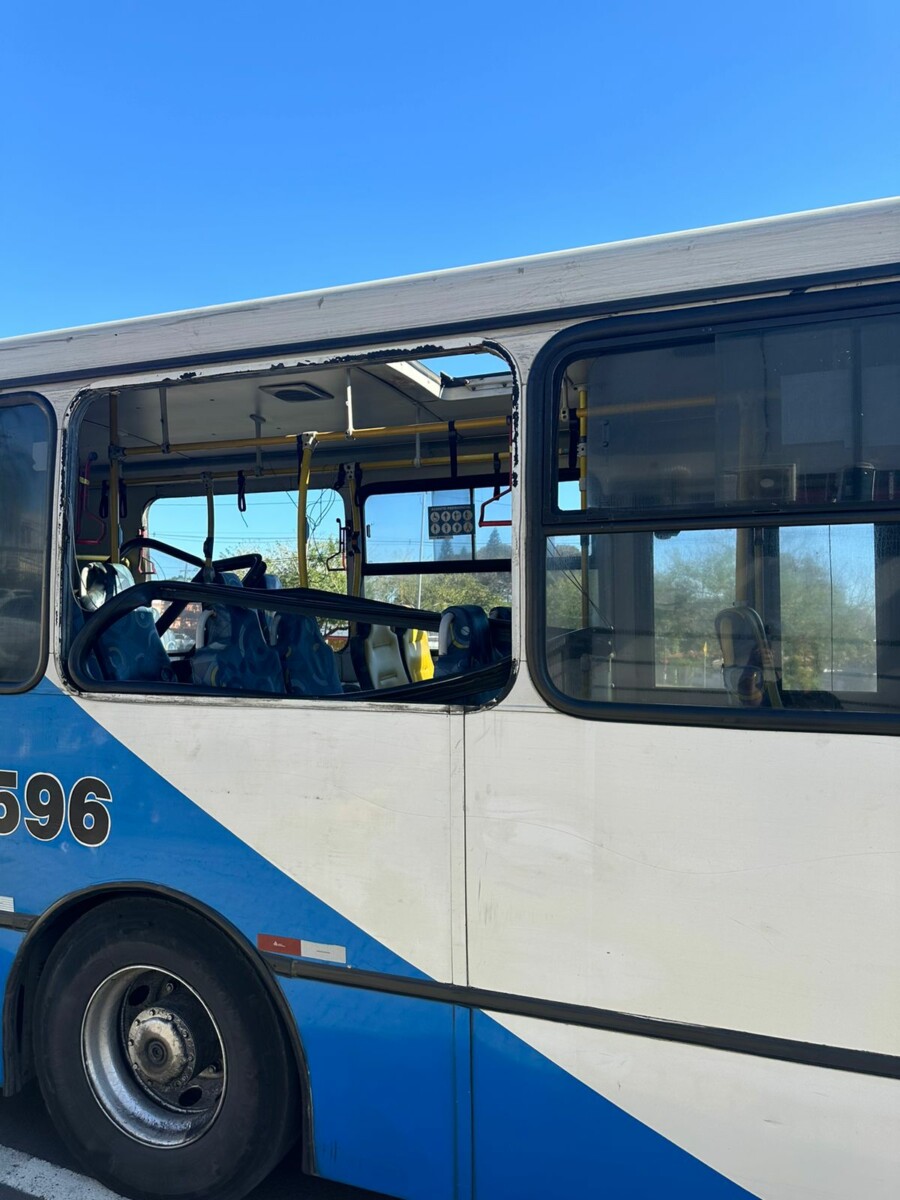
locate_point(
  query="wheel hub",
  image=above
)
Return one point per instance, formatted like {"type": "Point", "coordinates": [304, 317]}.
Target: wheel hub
{"type": "Point", "coordinates": [161, 1048]}
{"type": "Point", "coordinates": [153, 1056]}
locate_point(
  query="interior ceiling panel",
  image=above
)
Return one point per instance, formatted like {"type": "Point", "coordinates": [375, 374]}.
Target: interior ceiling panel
{"type": "Point", "coordinates": [384, 394]}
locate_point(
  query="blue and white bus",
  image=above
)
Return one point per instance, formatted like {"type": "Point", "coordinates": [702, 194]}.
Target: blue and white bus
{"type": "Point", "coordinates": [451, 722]}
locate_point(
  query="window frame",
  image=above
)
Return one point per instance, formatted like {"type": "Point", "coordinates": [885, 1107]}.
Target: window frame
{"type": "Point", "coordinates": [546, 520]}
{"type": "Point", "coordinates": [14, 400]}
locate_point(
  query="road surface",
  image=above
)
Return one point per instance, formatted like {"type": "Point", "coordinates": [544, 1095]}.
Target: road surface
{"type": "Point", "coordinates": [34, 1163]}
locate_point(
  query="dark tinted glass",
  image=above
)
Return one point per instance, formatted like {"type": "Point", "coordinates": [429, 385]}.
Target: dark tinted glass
{"type": "Point", "coordinates": [803, 616]}
{"type": "Point", "coordinates": [25, 481]}
{"type": "Point", "coordinates": [802, 416]}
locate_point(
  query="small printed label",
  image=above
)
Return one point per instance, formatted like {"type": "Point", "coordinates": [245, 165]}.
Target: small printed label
{"type": "Point", "coordinates": [323, 952]}
{"type": "Point", "coordinates": [278, 945]}
{"type": "Point", "coordinates": [7, 904]}
{"type": "Point", "coordinates": [296, 948]}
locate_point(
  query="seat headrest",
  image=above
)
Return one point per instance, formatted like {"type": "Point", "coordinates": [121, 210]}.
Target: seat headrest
{"type": "Point", "coordinates": [99, 582]}
{"type": "Point", "coordinates": [464, 627]}
{"type": "Point", "coordinates": [741, 633]}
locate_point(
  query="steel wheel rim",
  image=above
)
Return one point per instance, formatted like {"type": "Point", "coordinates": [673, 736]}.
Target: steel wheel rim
{"type": "Point", "coordinates": [153, 1056]}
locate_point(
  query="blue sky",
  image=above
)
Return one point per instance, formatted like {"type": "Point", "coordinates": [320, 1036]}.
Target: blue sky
{"type": "Point", "coordinates": [168, 155]}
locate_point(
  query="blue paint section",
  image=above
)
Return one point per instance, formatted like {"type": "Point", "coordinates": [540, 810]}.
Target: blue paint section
{"type": "Point", "coordinates": [541, 1133]}
{"type": "Point", "coordinates": [10, 941]}
{"type": "Point", "coordinates": [158, 835]}
{"type": "Point", "coordinates": [383, 1102]}
{"type": "Point", "coordinates": [462, 1035]}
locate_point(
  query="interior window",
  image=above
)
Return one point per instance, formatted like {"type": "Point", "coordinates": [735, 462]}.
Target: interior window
{"type": "Point", "coordinates": [449, 545]}
{"type": "Point", "coordinates": [267, 523]}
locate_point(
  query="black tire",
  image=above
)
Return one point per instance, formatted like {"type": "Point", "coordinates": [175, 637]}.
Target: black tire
{"type": "Point", "coordinates": [134, 1007]}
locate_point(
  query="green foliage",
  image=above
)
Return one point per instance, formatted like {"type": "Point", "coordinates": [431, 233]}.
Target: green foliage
{"type": "Point", "coordinates": [435, 592]}
{"type": "Point", "coordinates": [693, 581]}
{"type": "Point", "coordinates": [281, 560]}
{"type": "Point", "coordinates": [827, 623]}
{"type": "Point", "coordinates": [827, 607]}
{"type": "Point", "coordinates": [827, 620]}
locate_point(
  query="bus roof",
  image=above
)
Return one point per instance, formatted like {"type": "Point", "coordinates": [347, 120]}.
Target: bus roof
{"type": "Point", "coordinates": [813, 249]}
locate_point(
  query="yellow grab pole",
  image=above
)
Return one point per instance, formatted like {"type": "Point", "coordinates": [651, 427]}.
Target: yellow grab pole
{"type": "Point", "coordinates": [302, 495]}
{"type": "Point", "coordinates": [467, 425]}
{"type": "Point", "coordinates": [327, 469]}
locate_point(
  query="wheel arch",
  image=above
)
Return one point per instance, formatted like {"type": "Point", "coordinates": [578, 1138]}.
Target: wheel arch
{"type": "Point", "coordinates": [53, 923]}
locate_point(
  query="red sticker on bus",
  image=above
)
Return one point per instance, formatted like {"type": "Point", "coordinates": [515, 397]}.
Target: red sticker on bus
{"type": "Point", "coordinates": [278, 945]}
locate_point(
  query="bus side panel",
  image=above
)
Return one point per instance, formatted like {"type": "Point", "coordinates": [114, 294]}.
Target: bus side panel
{"type": "Point", "coordinates": [540, 1132]}
{"type": "Point", "coordinates": [733, 878]}
{"type": "Point", "coordinates": [158, 835]}
{"type": "Point", "coordinates": [382, 1070]}
{"type": "Point", "coordinates": [600, 1113]}
{"type": "Point", "coordinates": [383, 1117]}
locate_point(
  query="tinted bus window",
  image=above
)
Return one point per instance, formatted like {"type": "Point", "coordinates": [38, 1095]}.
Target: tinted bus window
{"type": "Point", "coordinates": [25, 482]}
{"type": "Point", "coordinates": [759, 472]}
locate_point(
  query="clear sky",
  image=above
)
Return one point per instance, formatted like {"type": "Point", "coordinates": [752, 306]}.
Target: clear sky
{"type": "Point", "coordinates": [165, 155]}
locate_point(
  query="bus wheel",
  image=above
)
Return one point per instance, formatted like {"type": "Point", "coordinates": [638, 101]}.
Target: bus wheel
{"type": "Point", "coordinates": [161, 1057]}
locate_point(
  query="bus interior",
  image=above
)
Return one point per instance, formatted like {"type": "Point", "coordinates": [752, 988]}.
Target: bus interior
{"type": "Point", "coordinates": [336, 531]}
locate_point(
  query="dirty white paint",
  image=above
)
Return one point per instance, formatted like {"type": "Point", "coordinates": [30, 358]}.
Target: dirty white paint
{"type": "Point", "coordinates": [691, 874]}
{"type": "Point", "coordinates": [782, 1131]}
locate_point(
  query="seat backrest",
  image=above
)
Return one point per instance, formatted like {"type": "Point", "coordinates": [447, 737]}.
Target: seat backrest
{"type": "Point", "coordinates": [375, 651]}
{"type": "Point", "coordinates": [747, 665]}
{"type": "Point", "coordinates": [131, 649]}
{"type": "Point", "coordinates": [464, 640]}
{"type": "Point", "coordinates": [416, 654]}
{"type": "Point", "coordinates": [500, 624]}
{"type": "Point", "coordinates": [383, 658]}
{"type": "Point", "coordinates": [308, 662]}
{"type": "Point", "coordinates": [232, 652]}
{"type": "Point", "coordinates": [100, 581]}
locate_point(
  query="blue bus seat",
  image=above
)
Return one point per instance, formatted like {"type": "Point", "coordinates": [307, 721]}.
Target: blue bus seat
{"type": "Point", "coordinates": [500, 623]}
{"type": "Point", "coordinates": [233, 654]}
{"type": "Point", "coordinates": [130, 649]}
{"type": "Point", "coordinates": [464, 641]}
{"type": "Point", "coordinates": [308, 662]}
